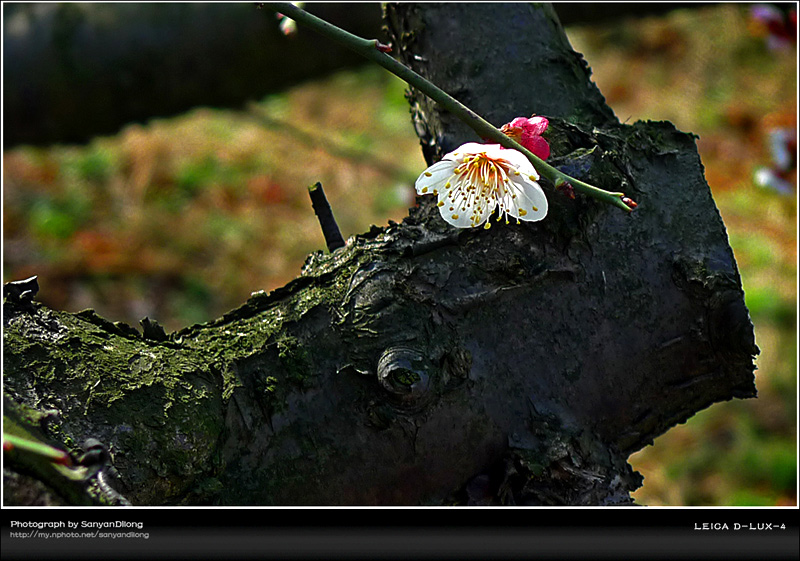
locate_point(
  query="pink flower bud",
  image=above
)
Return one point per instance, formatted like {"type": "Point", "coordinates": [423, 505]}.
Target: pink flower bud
{"type": "Point", "coordinates": [528, 133]}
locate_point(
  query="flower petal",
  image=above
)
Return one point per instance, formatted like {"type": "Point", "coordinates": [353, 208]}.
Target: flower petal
{"type": "Point", "coordinates": [461, 206]}
{"type": "Point", "coordinates": [537, 145]}
{"type": "Point", "coordinates": [434, 176]}
{"type": "Point", "coordinates": [458, 218]}
{"type": "Point", "coordinates": [468, 149]}
{"type": "Point", "coordinates": [529, 202]}
{"type": "Point", "coordinates": [518, 161]}
{"type": "Point", "coordinates": [536, 125]}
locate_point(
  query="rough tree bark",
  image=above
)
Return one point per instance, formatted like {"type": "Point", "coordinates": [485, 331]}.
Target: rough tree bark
{"type": "Point", "coordinates": [421, 364]}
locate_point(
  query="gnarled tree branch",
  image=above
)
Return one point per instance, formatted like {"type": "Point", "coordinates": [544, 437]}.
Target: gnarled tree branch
{"type": "Point", "coordinates": [421, 364]}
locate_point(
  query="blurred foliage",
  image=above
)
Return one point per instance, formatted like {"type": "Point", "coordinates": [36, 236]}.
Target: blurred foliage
{"type": "Point", "coordinates": [181, 219]}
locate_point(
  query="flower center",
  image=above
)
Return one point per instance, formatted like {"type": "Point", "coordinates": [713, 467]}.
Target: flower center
{"type": "Point", "coordinates": [479, 180]}
{"type": "Point", "coordinates": [512, 132]}
{"type": "Point", "coordinates": [485, 173]}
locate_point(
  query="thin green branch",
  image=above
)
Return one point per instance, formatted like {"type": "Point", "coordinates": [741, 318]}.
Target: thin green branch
{"type": "Point", "coordinates": [371, 49]}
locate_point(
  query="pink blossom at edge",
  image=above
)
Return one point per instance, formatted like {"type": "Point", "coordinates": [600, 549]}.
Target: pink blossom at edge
{"type": "Point", "coordinates": [528, 131]}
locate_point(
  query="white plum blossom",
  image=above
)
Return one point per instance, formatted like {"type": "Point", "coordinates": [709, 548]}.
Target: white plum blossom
{"type": "Point", "coordinates": [475, 179]}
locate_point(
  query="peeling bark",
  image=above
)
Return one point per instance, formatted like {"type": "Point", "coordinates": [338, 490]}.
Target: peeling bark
{"type": "Point", "coordinates": [422, 364]}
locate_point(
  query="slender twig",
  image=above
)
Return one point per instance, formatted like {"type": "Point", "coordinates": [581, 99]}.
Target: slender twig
{"type": "Point", "coordinates": [375, 51]}
{"type": "Point", "coordinates": [330, 229]}
{"type": "Point", "coordinates": [12, 441]}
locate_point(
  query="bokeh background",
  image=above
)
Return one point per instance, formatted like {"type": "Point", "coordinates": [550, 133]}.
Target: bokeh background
{"type": "Point", "coordinates": [180, 219]}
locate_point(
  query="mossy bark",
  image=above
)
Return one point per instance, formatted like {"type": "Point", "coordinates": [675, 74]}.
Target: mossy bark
{"type": "Point", "coordinates": [422, 364]}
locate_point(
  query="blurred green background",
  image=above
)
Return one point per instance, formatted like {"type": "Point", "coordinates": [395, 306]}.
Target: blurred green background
{"type": "Point", "coordinates": [181, 219]}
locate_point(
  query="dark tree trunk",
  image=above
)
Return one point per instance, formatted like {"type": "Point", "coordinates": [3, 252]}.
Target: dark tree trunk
{"type": "Point", "coordinates": [421, 364]}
